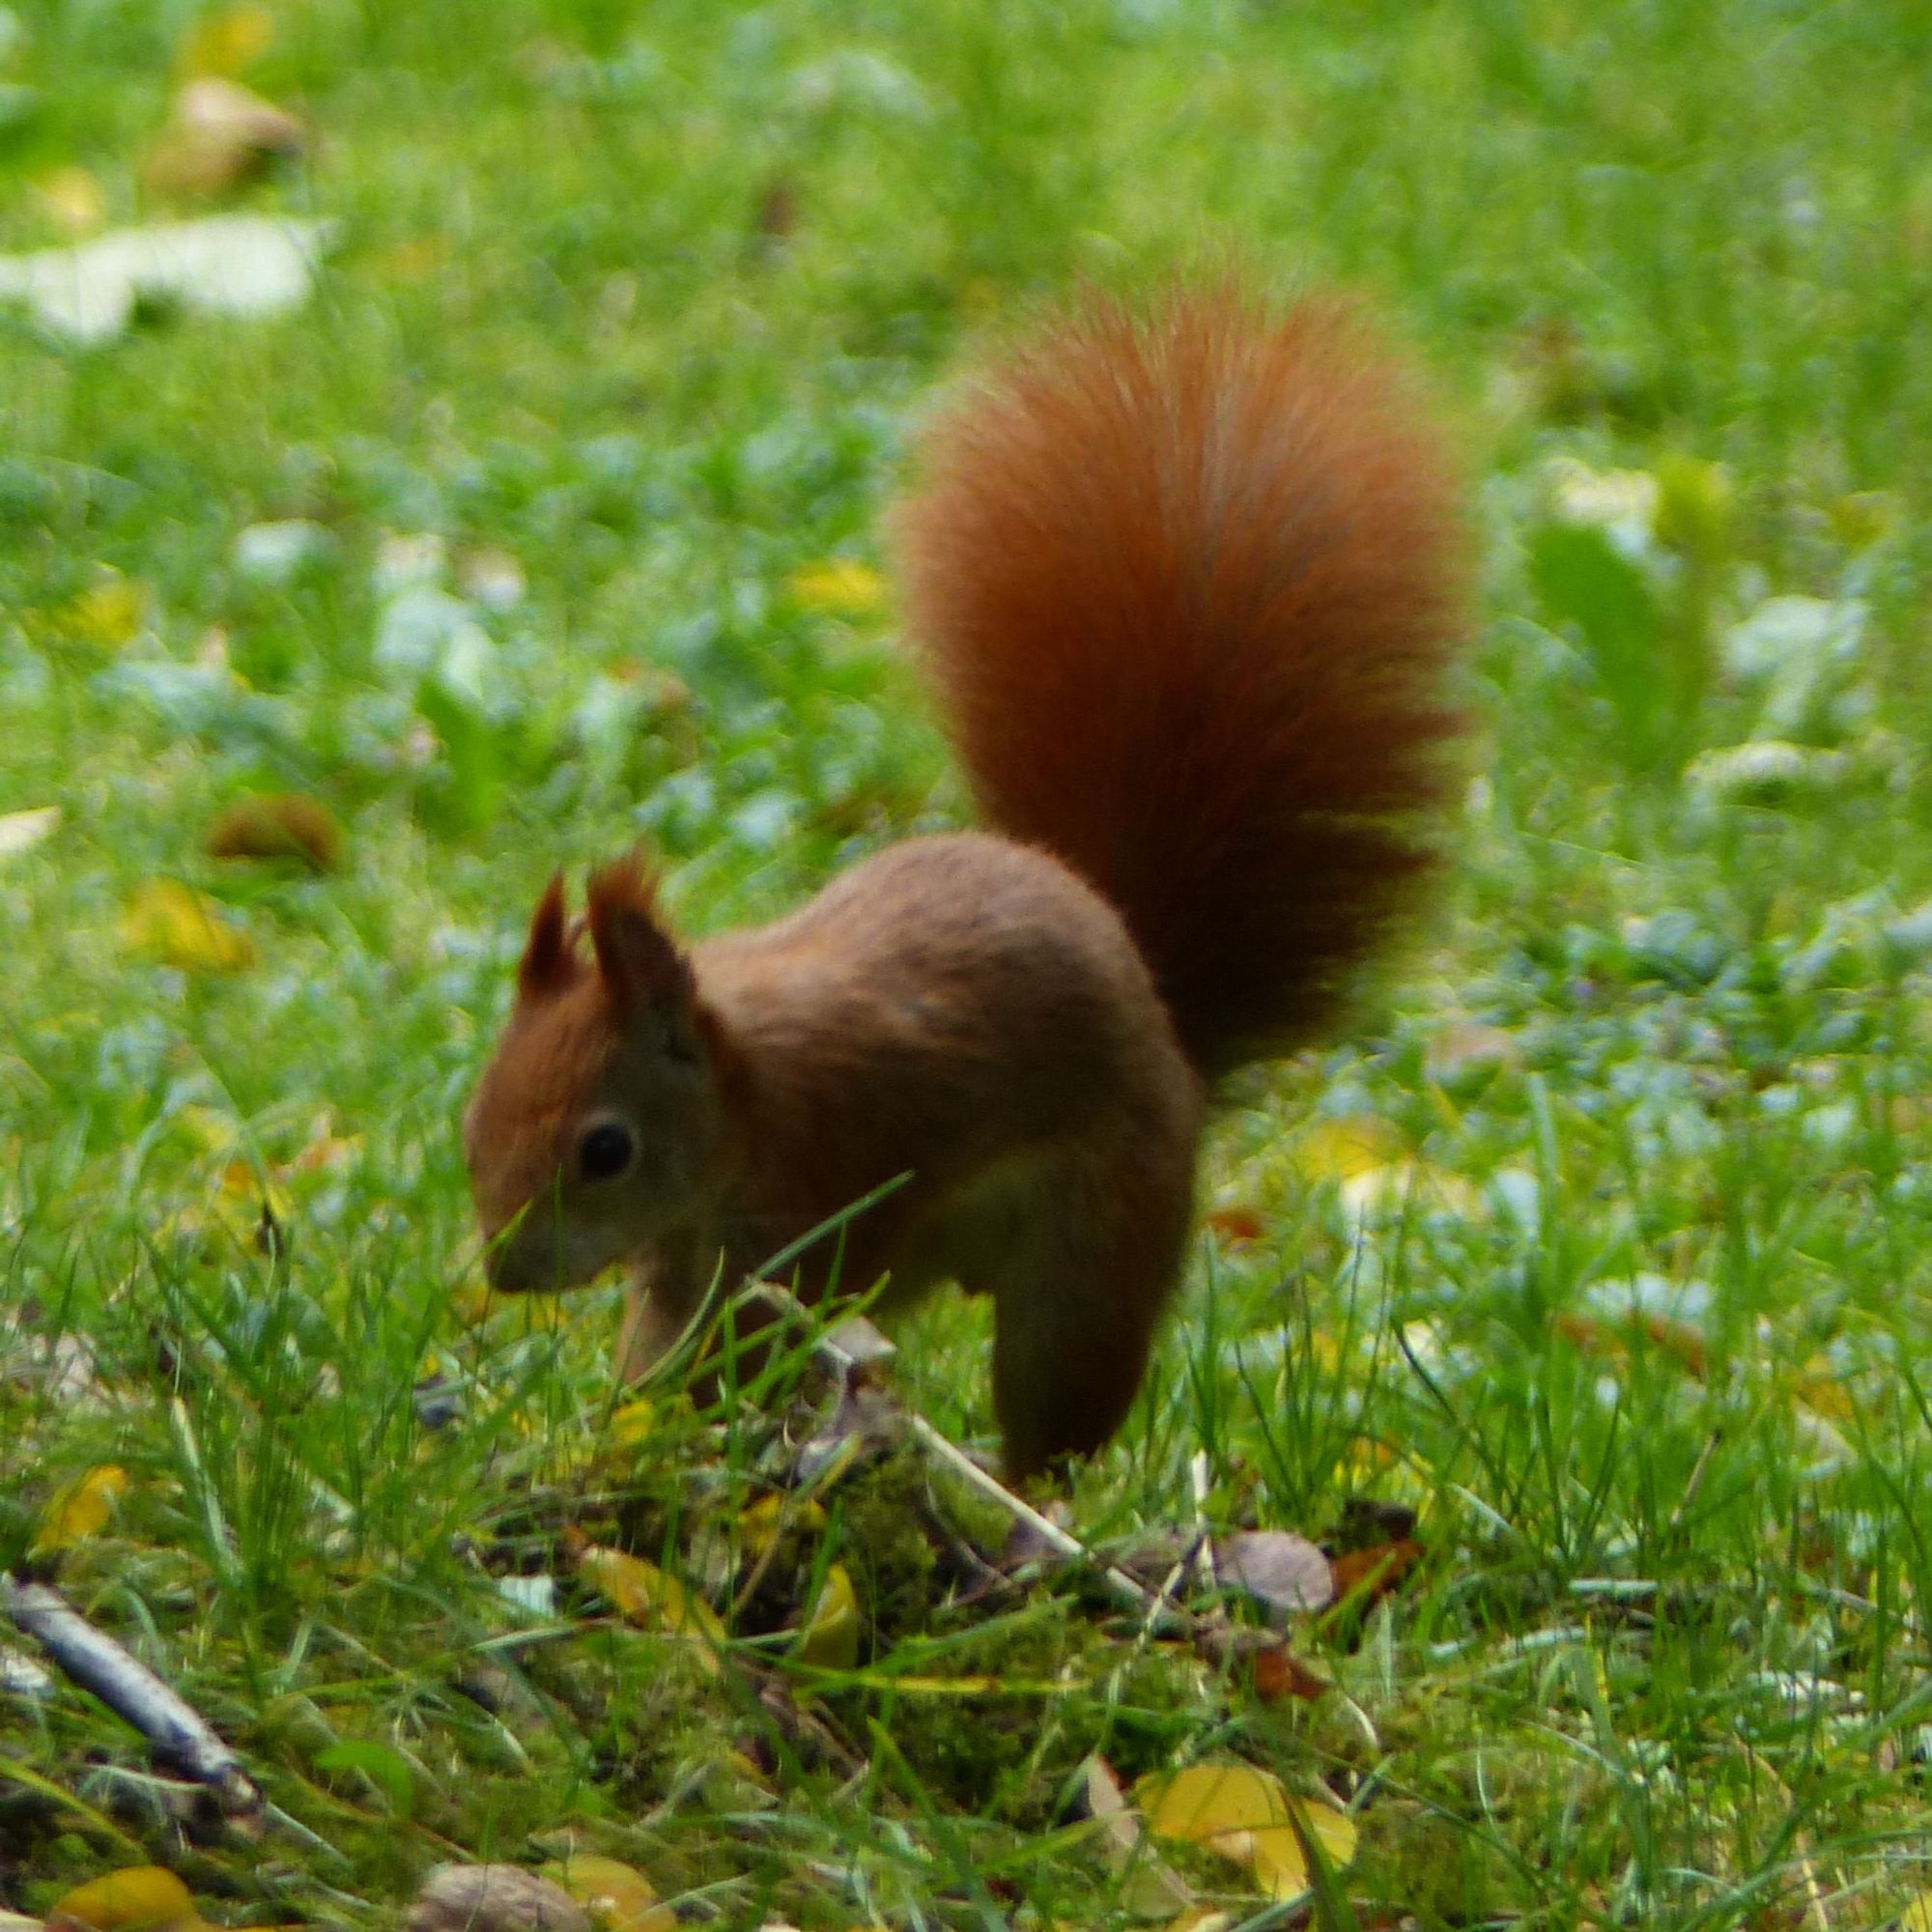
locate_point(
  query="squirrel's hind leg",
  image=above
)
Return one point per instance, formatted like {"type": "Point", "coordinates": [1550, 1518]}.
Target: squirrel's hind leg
{"type": "Point", "coordinates": [1078, 1296]}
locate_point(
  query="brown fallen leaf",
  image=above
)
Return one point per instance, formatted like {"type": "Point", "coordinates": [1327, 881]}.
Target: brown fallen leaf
{"type": "Point", "coordinates": [1466, 1054]}
{"type": "Point", "coordinates": [1364, 1577]}
{"type": "Point", "coordinates": [777, 215]}
{"type": "Point", "coordinates": [1279, 1674]}
{"type": "Point", "coordinates": [1284, 1572]}
{"type": "Point", "coordinates": [221, 135]}
{"type": "Point", "coordinates": [1235, 1225]}
{"type": "Point", "coordinates": [1592, 1336]}
{"type": "Point", "coordinates": [279, 825]}
{"type": "Point", "coordinates": [1149, 1889]}
{"type": "Point", "coordinates": [493, 1898]}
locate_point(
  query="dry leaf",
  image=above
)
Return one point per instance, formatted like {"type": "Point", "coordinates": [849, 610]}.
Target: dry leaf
{"type": "Point", "coordinates": [839, 586]}
{"type": "Point", "coordinates": [631, 1422]}
{"type": "Point", "coordinates": [1279, 1674]}
{"type": "Point", "coordinates": [143, 1898]}
{"type": "Point", "coordinates": [180, 927]}
{"type": "Point", "coordinates": [282, 825]}
{"type": "Point", "coordinates": [1374, 1171]}
{"type": "Point", "coordinates": [1369, 1575]}
{"type": "Point", "coordinates": [1235, 1225]}
{"type": "Point", "coordinates": [221, 135]}
{"type": "Point", "coordinates": [1149, 1889]}
{"type": "Point", "coordinates": [110, 612]}
{"type": "Point", "coordinates": [241, 265]}
{"type": "Point", "coordinates": [73, 198]}
{"type": "Point", "coordinates": [830, 1638]}
{"type": "Point", "coordinates": [1466, 1053]}
{"type": "Point", "coordinates": [1283, 1572]}
{"type": "Point", "coordinates": [619, 1898]}
{"type": "Point", "coordinates": [1593, 1336]}
{"type": "Point", "coordinates": [1347, 1150]}
{"type": "Point", "coordinates": [493, 1898]}
{"type": "Point", "coordinates": [651, 1598]}
{"type": "Point", "coordinates": [1244, 1814]}
{"type": "Point", "coordinates": [22, 830]}
{"type": "Point", "coordinates": [762, 1523]}
{"type": "Point", "coordinates": [492, 578]}
{"type": "Point", "coordinates": [1821, 1388]}
{"type": "Point", "coordinates": [82, 1508]}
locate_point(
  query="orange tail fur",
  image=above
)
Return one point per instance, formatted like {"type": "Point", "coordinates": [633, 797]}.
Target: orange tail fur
{"type": "Point", "coordinates": [1190, 584]}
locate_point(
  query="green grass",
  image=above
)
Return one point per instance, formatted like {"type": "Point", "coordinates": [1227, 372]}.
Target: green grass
{"type": "Point", "coordinates": [1664, 1048]}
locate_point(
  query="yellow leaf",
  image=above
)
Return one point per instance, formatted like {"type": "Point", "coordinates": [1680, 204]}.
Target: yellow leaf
{"type": "Point", "coordinates": [1347, 1150]}
{"type": "Point", "coordinates": [228, 40]}
{"type": "Point", "coordinates": [651, 1598]}
{"type": "Point", "coordinates": [762, 1521]}
{"type": "Point", "coordinates": [82, 1509]}
{"type": "Point", "coordinates": [1244, 1814]}
{"type": "Point", "coordinates": [619, 1896]}
{"type": "Point", "coordinates": [840, 586]}
{"type": "Point", "coordinates": [1369, 1160]}
{"type": "Point", "coordinates": [73, 197]}
{"type": "Point", "coordinates": [830, 1636]}
{"type": "Point", "coordinates": [179, 927]}
{"type": "Point", "coordinates": [246, 1195]}
{"type": "Point", "coordinates": [632, 1423]}
{"type": "Point", "coordinates": [1822, 1389]}
{"type": "Point", "coordinates": [110, 612]}
{"type": "Point", "coordinates": [143, 1898]}
{"type": "Point", "coordinates": [1918, 1916]}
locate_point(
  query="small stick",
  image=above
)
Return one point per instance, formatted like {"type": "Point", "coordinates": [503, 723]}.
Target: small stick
{"type": "Point", "coordinates": [1163, 1615]}
{"type": "Point", "coordinates": [852, 1350]}
{"type": "Point", "coordinates": [176, 1733]}
{"type": "Point", "coordinates": [1696, 1481]}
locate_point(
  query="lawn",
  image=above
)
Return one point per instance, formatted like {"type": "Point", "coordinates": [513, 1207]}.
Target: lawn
{"type": "Point", "coordinates": [1592, 1264]}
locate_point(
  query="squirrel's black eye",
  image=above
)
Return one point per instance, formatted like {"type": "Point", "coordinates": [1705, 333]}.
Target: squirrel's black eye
{"type": "Point", "coordinates": [606, 1151]}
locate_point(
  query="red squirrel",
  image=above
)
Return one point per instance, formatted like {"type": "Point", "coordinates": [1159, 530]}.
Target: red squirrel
{"type": "Point", "coordinates": [1188, 583]}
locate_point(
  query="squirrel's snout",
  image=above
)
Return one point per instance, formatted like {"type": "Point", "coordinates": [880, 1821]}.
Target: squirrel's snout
{"type": "Point", "coordinates": [537, 1253]}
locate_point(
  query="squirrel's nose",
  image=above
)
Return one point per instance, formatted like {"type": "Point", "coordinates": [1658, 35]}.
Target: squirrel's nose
{"type": "Point", "coordinates": [505, 1264]}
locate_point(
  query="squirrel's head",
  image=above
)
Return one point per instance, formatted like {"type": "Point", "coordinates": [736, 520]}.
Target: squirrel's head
{"type": "Point", "coordinates": [594, 1123]}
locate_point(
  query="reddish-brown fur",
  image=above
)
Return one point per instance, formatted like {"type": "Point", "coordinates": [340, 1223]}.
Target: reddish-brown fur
{"type": "Point", "coordinates": [1188, 588]}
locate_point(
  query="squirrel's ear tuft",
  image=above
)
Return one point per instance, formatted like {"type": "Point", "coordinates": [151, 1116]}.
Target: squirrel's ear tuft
{"type": "Point", "coordinates": [548, 964]}
{"type": "Point", "coordinates": [639, 959]}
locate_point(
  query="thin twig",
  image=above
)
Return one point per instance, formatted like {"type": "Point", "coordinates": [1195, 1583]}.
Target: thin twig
{"type": "Point", "coordinates": [1163, 1615]}
{"type": "Point", "coordinates": [176, 1733]}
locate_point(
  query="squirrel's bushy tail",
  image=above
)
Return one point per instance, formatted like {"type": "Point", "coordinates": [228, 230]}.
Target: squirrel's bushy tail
{"type": "Point", "coordinates": [1189, 583]}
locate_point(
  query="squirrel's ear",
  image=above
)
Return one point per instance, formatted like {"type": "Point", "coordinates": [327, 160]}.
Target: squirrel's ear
{"type": "Point", "coordinates": [639, 960]}
{"type": "Point", "coordinates": [548, 964]}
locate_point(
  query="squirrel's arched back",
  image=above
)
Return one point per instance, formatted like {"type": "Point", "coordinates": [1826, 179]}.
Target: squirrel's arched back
{"type": "Point", "coordinates": [1189, 583]}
